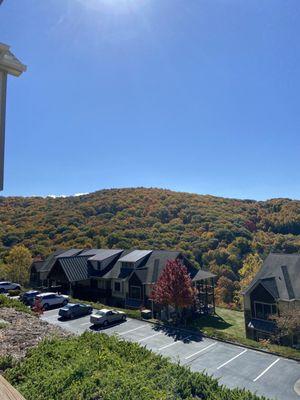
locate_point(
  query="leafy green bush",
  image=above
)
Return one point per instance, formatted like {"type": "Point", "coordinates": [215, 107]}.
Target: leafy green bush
{"type": "Point", "coordinates": [13, 303]}
{"type": "Point", "coordinates": [14, 292]}
{"type": "Point", "coordinates": [6, 362]}
{"type": "Point", "coordinates": [94, 366]}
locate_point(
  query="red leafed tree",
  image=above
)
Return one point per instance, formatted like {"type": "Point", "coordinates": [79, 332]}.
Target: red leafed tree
{"type": "Point", "coordinates": [174, 287]}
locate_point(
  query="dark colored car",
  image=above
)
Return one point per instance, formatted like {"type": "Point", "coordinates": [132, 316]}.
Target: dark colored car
{"type": "Point", "coordinates": [75, 310]}
{"type": "Point", "coordinates": [28, 298]}
{"type": "Point", "coordinates": [6, 286]}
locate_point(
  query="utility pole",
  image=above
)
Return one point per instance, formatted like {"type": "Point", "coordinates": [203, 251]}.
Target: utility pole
{"type": "Point", "coordinates": [9, 65]}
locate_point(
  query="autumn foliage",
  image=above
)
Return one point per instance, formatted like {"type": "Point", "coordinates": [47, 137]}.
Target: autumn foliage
{"type": "Point", "coordinates": [174, 287]}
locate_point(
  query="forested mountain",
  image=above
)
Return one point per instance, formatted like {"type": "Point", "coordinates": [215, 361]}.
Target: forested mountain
{"type": "Point", "coordinates": [215, 232]}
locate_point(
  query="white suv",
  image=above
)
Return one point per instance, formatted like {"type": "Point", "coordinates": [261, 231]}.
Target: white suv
{"type": "Point", "coordinates": [6, 286]}
{"type": "Point", "coordinates": [52, 300]}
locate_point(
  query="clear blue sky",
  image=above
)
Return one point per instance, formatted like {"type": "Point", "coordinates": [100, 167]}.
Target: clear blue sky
{"type": "Point", "coordinates": [191, 95]}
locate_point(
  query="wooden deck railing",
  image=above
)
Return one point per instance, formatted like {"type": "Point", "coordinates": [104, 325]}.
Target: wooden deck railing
{"type": "Point", "coordinates": [7, 392]}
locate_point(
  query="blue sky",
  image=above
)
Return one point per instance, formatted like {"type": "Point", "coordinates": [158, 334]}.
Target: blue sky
{"type": "Point", "coordinates": [192, 95]}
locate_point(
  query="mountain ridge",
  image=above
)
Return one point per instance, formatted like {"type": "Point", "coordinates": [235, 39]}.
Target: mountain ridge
{"type": "Point", "coordinates": [214, 232]}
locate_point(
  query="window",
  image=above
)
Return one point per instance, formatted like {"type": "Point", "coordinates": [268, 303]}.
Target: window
{"type": "Point", "coordinates": [264, 310]}
{"type": "Point", "coordinates": [135, 292]}
{"type": "Point", "coordinates": [127, 264]}
{"type": "Point", "coordinates": [117, 286]}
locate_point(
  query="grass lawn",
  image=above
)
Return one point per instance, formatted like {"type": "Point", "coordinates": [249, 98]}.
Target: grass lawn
{"type": "Point", "coordinates": [225, 321]}
{"type": "Point", "coordinates": [229, 325]}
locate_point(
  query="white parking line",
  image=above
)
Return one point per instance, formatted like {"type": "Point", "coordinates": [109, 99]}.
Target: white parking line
{"type": "Point", "coordinates": [266, 370]}
{"type": "Point", "coordinates": [200, 351]}
{"type": "Point", "coordinates": [172, 344]}
{"type": "Point", "coordinates": [149, 337]}
{"type": "Point", "coordinates": [86, 323]}
{"type": "Point", "coordinates": [131, 330]}
{"type": "Point", "coordinates": [233, 358]}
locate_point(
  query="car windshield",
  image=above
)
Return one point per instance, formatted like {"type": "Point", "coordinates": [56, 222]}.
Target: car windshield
{"type": "Point", "coordinates": [72, 305]}
{"type": "Point", "coordinates": [100, 313]}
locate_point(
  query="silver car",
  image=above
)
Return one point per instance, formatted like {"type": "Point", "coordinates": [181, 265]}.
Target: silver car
{"type": "Point", "coordinates": [48, 300]}
{"type": "Point", "coordinates": [105, 317]}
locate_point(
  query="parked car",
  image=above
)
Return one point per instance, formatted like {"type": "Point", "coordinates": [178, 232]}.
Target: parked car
{"type": "Point", "coordinates": [104, 317]}
{"type": "Point", "coordinates": [52, 300]}
{"type": "Point", "coordinates": [75, 310]}
{"type": "Point", "coordinates": [28, 298]}
{"type": "Point", "coordinates": [5, 286]}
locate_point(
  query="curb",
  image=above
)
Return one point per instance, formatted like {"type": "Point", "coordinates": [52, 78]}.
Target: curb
{"type": "Point", "coordinates": [194, 333]}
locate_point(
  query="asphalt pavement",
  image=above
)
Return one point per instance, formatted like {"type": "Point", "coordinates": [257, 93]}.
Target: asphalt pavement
{"type": "Point", "coordinates": [269, 375]}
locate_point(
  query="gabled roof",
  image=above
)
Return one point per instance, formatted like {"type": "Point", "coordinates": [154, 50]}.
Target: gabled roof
{"type": "Point", "coordinates": [70, 253]}
{"type": "Point", "coordinates": [152, 266]}
{"type": "Point", "coordinates": [202, 275]}
{"type": "Point", "coordinates": [48, 263]}
{"type": "Point", "coordinates": [75, 268]}
{"type": "Point", "coordinates": [89, 252]}
{"type": "Point", "coordinates": [135, 255]}
{"type": "Point", "coordinates": [37, 265]}
{"type": "Point", "coordinates": [77, 265]}
{"type": "Point", "coordinates": [104, 254]}
{"type": "Point", "coordinates": [280, 275]}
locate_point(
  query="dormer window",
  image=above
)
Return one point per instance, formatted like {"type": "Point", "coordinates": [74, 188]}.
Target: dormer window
{"type": "Point", "coordinates": [126, 264]}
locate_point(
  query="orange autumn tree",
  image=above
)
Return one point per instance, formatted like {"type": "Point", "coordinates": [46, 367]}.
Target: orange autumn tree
{"type": "Point", "coordinates": [174, 287]}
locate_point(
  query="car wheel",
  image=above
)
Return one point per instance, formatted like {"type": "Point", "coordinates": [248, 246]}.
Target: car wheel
{"type": "Point", "coordinates": [18, 287]}
{"type": "Point", "coordinates": [46, 306]}
{"type": "Point", "coordinates": [124, 318]}
{"type": "Point", "coordinates": [105, 323]}
{"type": "Point", "coordinates": [64, 303]}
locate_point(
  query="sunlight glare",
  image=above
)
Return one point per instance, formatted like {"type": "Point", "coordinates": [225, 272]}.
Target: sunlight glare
{"type": "Point", "coordinates": [115, 6]}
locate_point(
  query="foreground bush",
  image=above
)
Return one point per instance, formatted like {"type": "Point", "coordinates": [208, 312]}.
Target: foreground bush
{"type": "Point", "coordinates": [96, 366]}
{"type": "Point", "coordinates": [13, 303]}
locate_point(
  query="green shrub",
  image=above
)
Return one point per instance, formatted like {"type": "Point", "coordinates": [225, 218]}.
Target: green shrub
{"type": "Point", "coordinates": [14, 292]}
{"type": "Point", "coordinates": [94, 366]}
{"type": "Point", "coordinates": [6, 362]}
{"type": "Point", "coordinates": [13, 303]}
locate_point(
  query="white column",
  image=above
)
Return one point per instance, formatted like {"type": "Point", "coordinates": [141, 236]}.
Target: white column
{"type": "Point", "coordinates": [3, 80]}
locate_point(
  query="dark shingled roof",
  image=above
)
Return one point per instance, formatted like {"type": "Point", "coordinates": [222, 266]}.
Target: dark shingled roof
{"type": "Point", "coordinates": [104, 254]}
{"type": "Point", "coordinates": [152, 266]}
{"type": "Point", "coordinates": [202, 275]}
{"type": "Point", "coordinates": [280, 275]}
{"type": "Point", "coordinates": [70, 253]}
{"type": "Point", "coordinates": [48, 264]}
{"type": "Point", "coordinates": [75, 268]}
{"type": "Point", "coordinates": [89, 252]}
{"type": "Point", "coordinates": [38, 265]}
{"type": "Point", "coordinates": [77, 264]}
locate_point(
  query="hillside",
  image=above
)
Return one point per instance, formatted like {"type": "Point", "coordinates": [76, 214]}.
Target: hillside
{"type": "Point", "coordinates": [217, 233]}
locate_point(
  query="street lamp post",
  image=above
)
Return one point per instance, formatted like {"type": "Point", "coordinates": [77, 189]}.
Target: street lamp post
{"type": "Point", "coordinates": [9, 65]}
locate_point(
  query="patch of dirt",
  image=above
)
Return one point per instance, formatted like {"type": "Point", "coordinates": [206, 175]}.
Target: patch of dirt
{"type": "Point", "coordinates": [24, 331]}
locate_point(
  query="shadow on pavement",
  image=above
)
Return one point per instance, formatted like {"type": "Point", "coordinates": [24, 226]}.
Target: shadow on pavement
{"type": "Point", "coordinates": [176, 334]}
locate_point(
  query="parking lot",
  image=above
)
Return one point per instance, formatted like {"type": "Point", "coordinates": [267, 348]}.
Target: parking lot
{"type": "Point", "coordinates": [234, 366]}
